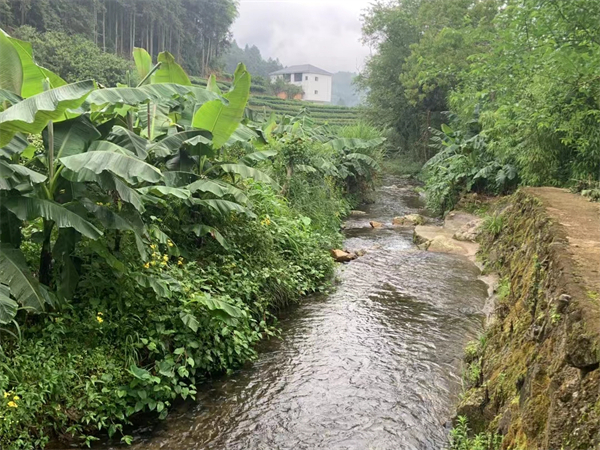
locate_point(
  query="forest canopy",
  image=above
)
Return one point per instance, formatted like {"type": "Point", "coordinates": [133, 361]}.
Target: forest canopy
{"type": "Point", "coordinates": [195, 31]}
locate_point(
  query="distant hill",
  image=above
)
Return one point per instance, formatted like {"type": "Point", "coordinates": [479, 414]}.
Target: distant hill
{"type": "Point", "coordinates": [344, 92]}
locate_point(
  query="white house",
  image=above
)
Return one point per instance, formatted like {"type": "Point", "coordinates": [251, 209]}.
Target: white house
{"type": "Point", "coordinates": [315, 82]}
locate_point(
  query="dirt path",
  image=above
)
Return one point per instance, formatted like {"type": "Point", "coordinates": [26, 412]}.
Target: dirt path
{"type": "Point", "coordinates": [581, 221]}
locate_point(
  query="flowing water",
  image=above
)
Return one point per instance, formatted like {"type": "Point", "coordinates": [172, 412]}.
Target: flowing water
{"type": "Point", "coordinates": [375, 365]}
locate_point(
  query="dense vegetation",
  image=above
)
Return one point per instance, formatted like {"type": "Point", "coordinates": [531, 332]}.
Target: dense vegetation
{"type": "Point", "coordinates": [514, 84]}
{"type": "Point", "coordinates": [251, 58]}
{"type": "Point", "coordinates": [195, 31]}
{"type": "Point", "coordinates": [147, 234]}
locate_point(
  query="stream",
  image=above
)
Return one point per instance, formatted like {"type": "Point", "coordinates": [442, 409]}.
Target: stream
{"type": "Point", "coordinates": [374, 366]}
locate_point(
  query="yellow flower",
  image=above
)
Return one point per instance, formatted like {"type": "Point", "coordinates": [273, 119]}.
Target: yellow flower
{"type": "Point", "coordinates": [6, 394]}
{"type": "Point", "coordinates": [100, 314]}
{"type": "Point", "coordinates": [163, 264]}
{"type": "Point", "coordinates": [12, 405]}
{"type": "Point", "coordinates": [99, 319]}
{"type": "Point", "coordinates": [153, 263]}
{"type": "Point", "coordinates": [170, 244]}
{"type": "Point", "coordinates": [153, 246]}
{"type": "Point", "coordinates": [180, 262]}
{"type": "Point", "coordinates": [16, 397]}
{"type": "Point", "coordinates": [147, 266]}
{"type": "Point", "coordinates": [165, 258]}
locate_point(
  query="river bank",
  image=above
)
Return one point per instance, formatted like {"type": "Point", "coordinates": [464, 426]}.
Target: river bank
{"type": "Point", "coordinates": [534, 372]}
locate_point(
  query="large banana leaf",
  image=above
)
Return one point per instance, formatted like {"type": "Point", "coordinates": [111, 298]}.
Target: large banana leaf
{"type": "Point", "coordinates": [33, 114]}
{"type": "Point", "coordinates": [11, 72]}
{"type": "Point", "coordinates": [129, 140]}
{"type": "Point", "coordinates": [34, 76]}
{"type": "Point", "coordinates": [136, 96]}
{"type": "Point", "coordinates": [30, 208]}
{"type": "Point", "coordinates": [8, 307]}
{"type": "Point", "coordinates": [175, 178]}
{"type": "Point", "coordinates": [247, 172]}
{"type": "Point", "coordinates": [169, 71]}
{"type": "Point", "coordinates": [143, 63]}
{"type": "Point", "coordinates": [258, 157]}
{"type": "Point", "coordinates": [109, 182]}
{"type": "Point", "coordinates": [224, 207]}
{"type": "Point", "coordinates": [72, 137]}
{"type": "Point", "coordinates": [222, 119]}
{"type": "Point", "coordinates": [15, 274]}
{"type": "Point", "coordinates": [8, 170]}
{"type": "Point", "coordinates": [19, 145]}
{"type": "Point", "coordinates": [164, 191]}
{"type": "Point", "coordinates": [202, 230]}
{"type": "Point", "coordinates": [169, 145]}
{"type": "Point", "coordinates": [218, 189]}
{"type": "Point", "coordinates": [128, 167]}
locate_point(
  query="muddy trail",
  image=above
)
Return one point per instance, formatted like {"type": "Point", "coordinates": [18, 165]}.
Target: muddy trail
{"type": "Point", "coordinates": [375, 365]}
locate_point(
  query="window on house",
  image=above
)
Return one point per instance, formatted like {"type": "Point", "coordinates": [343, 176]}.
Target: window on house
{"type": "Point", "coordinates": [287, 77]}
{"type": "Point", "coordinates": [316, 92]}
{"type": "Point", "coordinates": [306, 78]}
{"type": "Point", "coordinates": [297, 77]}
{"type": "Point", "coordinates": [316, 78]}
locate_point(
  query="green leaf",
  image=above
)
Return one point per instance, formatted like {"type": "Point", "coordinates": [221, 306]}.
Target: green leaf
{"type": "Point", "coordinates": [224, 207]}
{"type": "Point", "coordinates": [30, 208]}
{"type": "Point", "coordinates": [169, 71]}
{"type": "Point", "coordinates": [189, 320]}
{"type": "Point", "coordinates": [222, 119]}
{"type": "Point", "coordinates": [15, 274]}
{"type": "Point", "coordinates": [34, 76]}
{"type": "Point", "coordinates": [33, 114]}
{"type": "Point", "coordinates": [19, 145]}
{"type": "Point", "coordinates": [8, 307]}
{"type": "Point", "coordinates": [218, 188]}
{"type": "Point", "coordinates": [219, 308]}
{"type": "Point", "coordinates": [11, 71]}
{"type": "Point", "coordinates": [202, 230]}
{"type": "Point", "coordinates": [72, 137]}
{"type": "Point", "coordinates": [212, 85]}
{"type": "Point", "coordinates": [247, 172]}
{"type": "Point", "coordinates": [128, 167]}
{"type": "Point", "coordinates": [136, 96]}
{"type": "Point", "coordinates": [165, 191]}
{"type": "Point", "coordinates": [169, 145]}
{"type": "Point", "coordinates": [18, 169]}
{"type": "Point", "coordinates": [143, 63]}
{"type": "Point", "coordinates": [258, 157]}
{"type": "Point", "coordinates": [129, 140]}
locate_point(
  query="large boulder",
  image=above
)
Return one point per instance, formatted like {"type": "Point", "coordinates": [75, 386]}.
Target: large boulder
{"type": "Point", "coordinates": [375, 224]}
{"type": "Point", "coordinates": [410, 220]}
{"type": "Point", "coordinates": [341, 256]}
{"type": "Point", "coordinates": [469, 231]}
{"type": "Point", "coordinates": [445, 244]}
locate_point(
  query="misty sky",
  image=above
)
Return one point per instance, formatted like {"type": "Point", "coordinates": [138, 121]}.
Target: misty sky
{"type": "Point", "coordinates": [325, 33]}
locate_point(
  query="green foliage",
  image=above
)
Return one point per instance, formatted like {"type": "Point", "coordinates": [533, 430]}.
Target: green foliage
{"type": "Point", "coordinates": [488, 63]}
{"type": "Point", "coordinates": [460, 438]}
{"type": "Point", "coordinates": [196, 31]}
{"type": "Point", "coordinates": [249, 56]}
{"type": "Point", "coordinates": [74, 57]}
{"type": "Point", "coordinates": [145, 242]}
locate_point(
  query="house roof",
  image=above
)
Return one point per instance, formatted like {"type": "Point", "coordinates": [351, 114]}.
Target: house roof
{"type": "Point", "coordinates": [305, 68]}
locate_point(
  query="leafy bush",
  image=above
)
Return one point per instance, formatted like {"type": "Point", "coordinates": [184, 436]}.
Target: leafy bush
{"type": "Point", "coordinates": [74, 57]}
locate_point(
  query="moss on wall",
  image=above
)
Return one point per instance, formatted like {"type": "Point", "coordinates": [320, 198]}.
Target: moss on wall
{"type": "Point", "coordinates": [539, 384]}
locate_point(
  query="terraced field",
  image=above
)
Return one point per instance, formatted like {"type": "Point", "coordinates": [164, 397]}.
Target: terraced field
{"type": "Point", "coordinates": [321, 113]}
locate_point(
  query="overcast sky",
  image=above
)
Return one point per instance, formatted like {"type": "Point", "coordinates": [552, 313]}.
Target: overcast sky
{"type": "Point", "coordinates": [325, 33]}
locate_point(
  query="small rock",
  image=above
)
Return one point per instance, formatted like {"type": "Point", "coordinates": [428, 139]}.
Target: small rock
{"type": "Point", "coordinates": [375, 224]}
{"type": "Point", "coordinates": [342, 256]}
{"type": "Point", "coordinates": [356, 212]}
{"type": "Point", "coordinates": [563, 302]}
{"type": "Point", "coordinates": [361, 252]}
